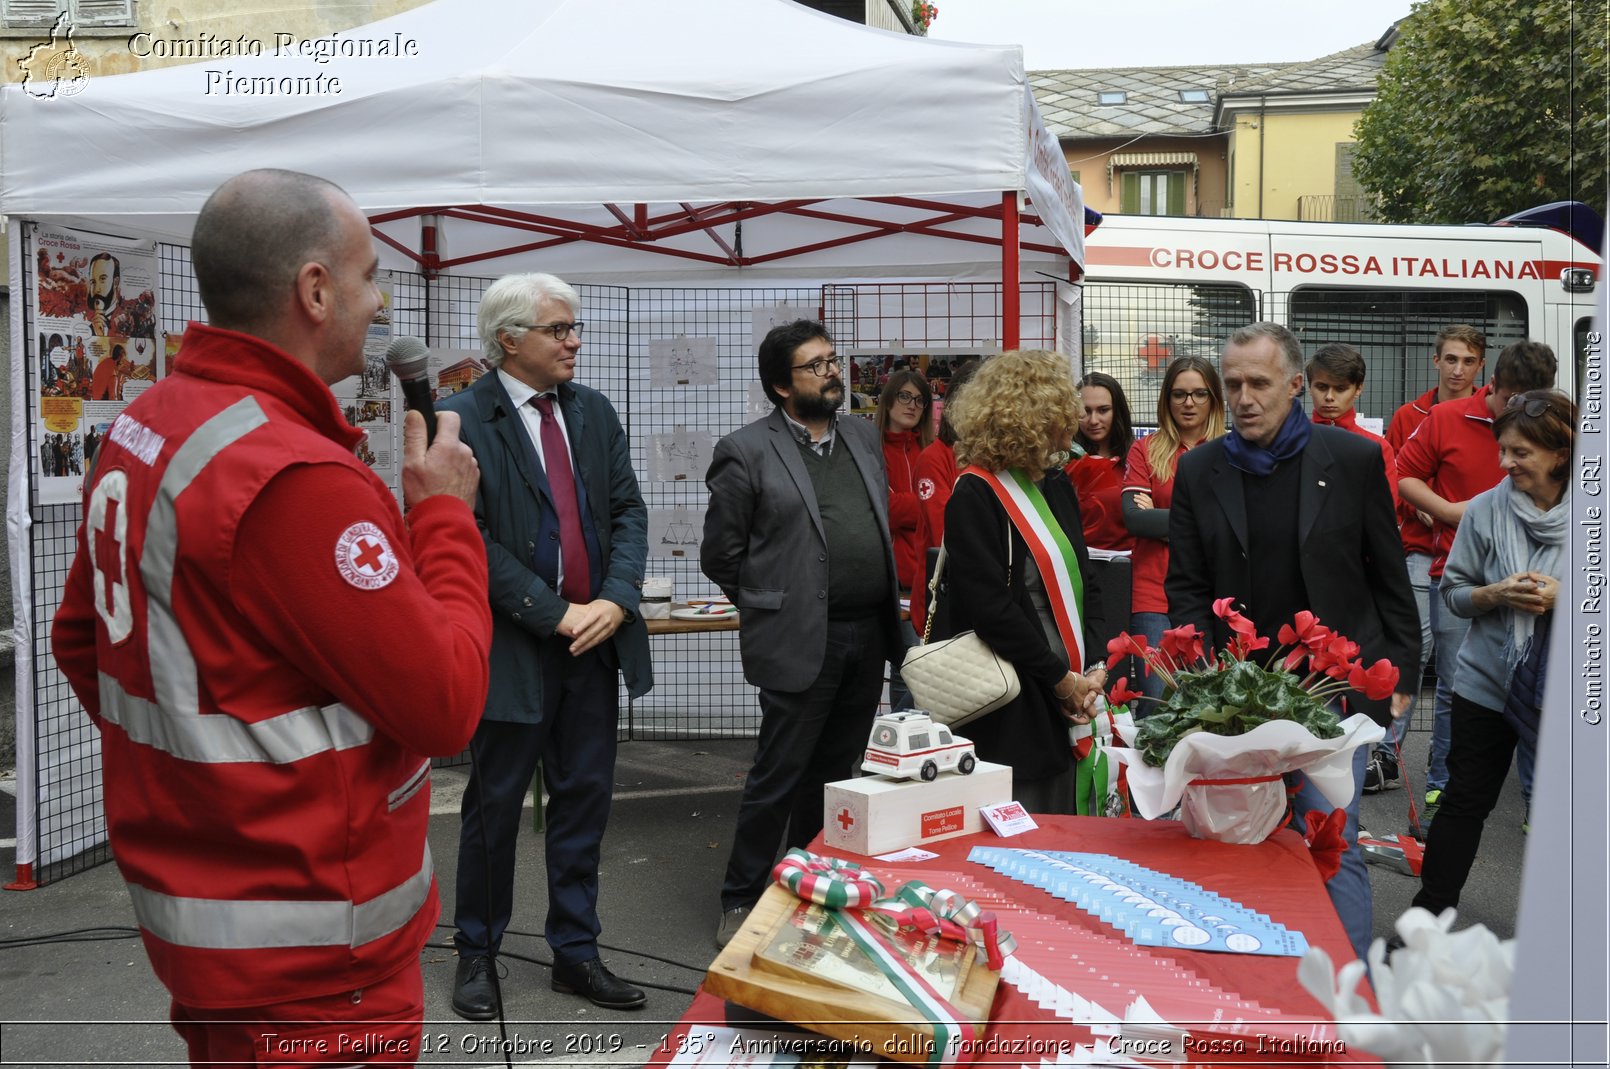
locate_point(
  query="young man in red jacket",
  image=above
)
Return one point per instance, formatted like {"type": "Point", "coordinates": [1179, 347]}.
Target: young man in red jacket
{"type": "Point", "coordinates": [1458, 358]}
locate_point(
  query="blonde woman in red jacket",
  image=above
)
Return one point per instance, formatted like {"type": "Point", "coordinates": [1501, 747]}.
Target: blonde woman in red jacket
{"type": "Point", "coordinates": [905, 420]}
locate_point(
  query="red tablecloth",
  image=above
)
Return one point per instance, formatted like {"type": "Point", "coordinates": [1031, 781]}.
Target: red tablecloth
{"type": "Point", "coordinates": [1276, 877]}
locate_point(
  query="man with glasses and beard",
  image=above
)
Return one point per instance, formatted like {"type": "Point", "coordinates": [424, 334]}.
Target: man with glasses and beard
{"type": "Point", "coordinates": [109, 314]}
{"type": "Point", "coordinates": [797, 535]}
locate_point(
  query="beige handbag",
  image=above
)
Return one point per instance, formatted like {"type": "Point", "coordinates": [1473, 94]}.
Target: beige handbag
{"type": "Point", "coordinates": [957, 680]}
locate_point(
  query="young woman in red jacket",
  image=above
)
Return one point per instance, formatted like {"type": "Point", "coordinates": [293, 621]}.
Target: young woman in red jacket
{"type": "Point", "coordinates": [905, 419]}
{"type": "Point", "coordinates": [936, 477]}
{"type": "Point", "coordinates": [1106, 433]}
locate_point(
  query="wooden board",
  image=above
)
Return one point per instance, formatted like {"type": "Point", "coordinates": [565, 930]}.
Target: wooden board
{"type": "Point", "coordinates": [764, 970]}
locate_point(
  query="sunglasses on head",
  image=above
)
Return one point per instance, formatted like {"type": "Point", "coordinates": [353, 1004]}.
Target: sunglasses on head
{"type": "Point", "coordinates": [1531, 405]}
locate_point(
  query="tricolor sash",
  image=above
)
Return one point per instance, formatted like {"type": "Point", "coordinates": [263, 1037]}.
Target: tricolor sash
{"type": "Point", "coordinates": [1053, 554]}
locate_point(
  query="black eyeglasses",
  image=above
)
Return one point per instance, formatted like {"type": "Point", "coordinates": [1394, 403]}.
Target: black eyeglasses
{"type": "Point", "coordinates": [819, 367]}
{"type": "Point", "coordinates": [906, 397]}
{"type": "Point", "coordinates": [1201, 397]}
{"type": "Point", "coordinates": [1532, 406]}
{"type": "Point", "coordinates": [560, 331]}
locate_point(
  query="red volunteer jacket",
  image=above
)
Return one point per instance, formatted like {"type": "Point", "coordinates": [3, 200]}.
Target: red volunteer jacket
{"type": "Point", "coordinates": [936, 478]}
{"type": "Point", "coordinates": [1454, 452]}
{"type": "Point", "coordinates": [1405, 421]}
{"type": "Point", "coordinates": [270, 654]}
{"type": "Point", "coordinates": [900, 452]}
{"type": "Point", "coordinates": [1099, 484]}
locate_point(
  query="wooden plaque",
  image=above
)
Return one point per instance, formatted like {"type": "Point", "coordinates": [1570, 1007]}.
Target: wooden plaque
{"type": "Point", "coordinates": [792, 963]}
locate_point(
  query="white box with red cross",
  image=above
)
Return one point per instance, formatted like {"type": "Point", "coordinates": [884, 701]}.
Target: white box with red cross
{"type": "Point", "coordinates": [877, 815]}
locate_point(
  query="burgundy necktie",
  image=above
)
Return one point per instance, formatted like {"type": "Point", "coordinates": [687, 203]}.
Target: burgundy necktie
{"type": "Point", "coordinates": [577, 585]}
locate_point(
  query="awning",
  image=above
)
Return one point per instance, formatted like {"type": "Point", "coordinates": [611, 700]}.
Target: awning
{"type": "Point", "coordinates": [1150, 159]}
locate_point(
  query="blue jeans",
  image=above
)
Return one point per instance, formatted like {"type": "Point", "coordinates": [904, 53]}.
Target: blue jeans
{"type": "Point", "coordinates": [1152, 625]}
{"type": "Point", "coordinates": [1349, 889]}
{"type": "Point", "coordinates": [1420, 581]}
{"type": "Point", "coordinates": [1450, 631]}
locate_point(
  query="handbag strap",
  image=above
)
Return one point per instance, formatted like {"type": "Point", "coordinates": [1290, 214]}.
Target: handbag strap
{"type": "Point", "coordinates": [939, 572]}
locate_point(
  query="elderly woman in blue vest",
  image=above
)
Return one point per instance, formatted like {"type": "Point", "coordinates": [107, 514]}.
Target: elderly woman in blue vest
{"type": "Point", "coordinates": [1017, 571]}
{"type": "Point", "coordinates": [1503, 574]}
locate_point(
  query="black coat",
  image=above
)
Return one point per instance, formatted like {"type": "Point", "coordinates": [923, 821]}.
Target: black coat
{"type": "Point", "coordinates": [1029, 733]}
{"type": "Point", "coordinates": [1348, 550]}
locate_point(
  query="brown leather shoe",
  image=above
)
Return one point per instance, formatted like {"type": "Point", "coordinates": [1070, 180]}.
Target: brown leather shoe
{"type": "Point", "coordinates": [597, 985]}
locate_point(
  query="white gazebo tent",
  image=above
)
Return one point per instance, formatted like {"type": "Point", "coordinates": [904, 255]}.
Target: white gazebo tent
{"type": "Point", "coordinates": [639, 140]}
{"type": "Point", "coordinates": [573, 116]}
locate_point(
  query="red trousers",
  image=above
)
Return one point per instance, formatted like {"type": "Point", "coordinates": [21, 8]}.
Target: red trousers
{"type": "Point", "coordinates": [377, 1025]}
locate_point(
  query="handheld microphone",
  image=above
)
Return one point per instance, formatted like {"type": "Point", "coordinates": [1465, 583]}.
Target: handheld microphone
{"type": "Point", "coordinates": [410, 362]}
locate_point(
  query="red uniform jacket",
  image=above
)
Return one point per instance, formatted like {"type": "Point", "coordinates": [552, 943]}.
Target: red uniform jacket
{"type": "Point", "coordinates": [270, 654]}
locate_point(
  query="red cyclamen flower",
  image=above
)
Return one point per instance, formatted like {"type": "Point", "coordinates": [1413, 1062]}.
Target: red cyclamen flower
{"type": "Point", "coordinates": [1125, 645]}
{"type": "Point", "coordinates": [1120, 693]}
{"type": "Point", "coordinates": [1377, 682]}
{"type": "Point", "coordinates": [1182, 645]}
{"type": "Point", "coordinates": [1301, 629]}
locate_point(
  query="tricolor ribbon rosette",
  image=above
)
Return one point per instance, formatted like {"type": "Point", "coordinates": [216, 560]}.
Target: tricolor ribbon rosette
{"type": "Point", "coordinates": [918, 907]}
{"type": "Point", "coordinates": [856, 899]}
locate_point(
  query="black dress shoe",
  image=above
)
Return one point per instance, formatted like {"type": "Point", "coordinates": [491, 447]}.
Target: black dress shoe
{"type": "Point", "coordinates": [597, 985]}
{"type": "Point", "coordinates": [475, 993]}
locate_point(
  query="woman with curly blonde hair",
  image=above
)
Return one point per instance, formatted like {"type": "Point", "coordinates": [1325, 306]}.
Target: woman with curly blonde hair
{"type": "Point", "coordinates": [1190, 411]}
{"type": "Point", "coordinates": [1020, 576]}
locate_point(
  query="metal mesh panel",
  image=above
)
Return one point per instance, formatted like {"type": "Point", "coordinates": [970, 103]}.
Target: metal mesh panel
{"type": "Point", "coordinates": [919, 317]}
{"type": "Point", "coordinates": [699, 690]}
{"type": "Point", "coordinates": [1396, 332]}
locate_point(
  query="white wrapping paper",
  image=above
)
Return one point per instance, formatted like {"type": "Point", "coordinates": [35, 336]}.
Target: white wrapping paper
{"type": "Point", "coordinates": [1245, 813]}
{"type": "Point", "coordinates": [1444, 997]}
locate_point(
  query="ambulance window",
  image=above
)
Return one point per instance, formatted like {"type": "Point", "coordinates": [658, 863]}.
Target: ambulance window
{"type": "Point", "coordinates": [1396, 332]}
{"type": "Point", "coordinates": [1132, 331]}
{"type": "Point", "coordinates": [944, 736]}
{"type": "Point", "coordinates": [919, 741]}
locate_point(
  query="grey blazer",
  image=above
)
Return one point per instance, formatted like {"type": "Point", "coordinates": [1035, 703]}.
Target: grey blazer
{"type": "Point", "coordinates": [765, 547]}
{"type": "Point", "coordinates": [515, 513]}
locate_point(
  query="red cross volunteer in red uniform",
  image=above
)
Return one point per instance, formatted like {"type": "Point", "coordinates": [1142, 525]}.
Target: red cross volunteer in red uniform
{"type": "Point", "coordinates": [272, 654]}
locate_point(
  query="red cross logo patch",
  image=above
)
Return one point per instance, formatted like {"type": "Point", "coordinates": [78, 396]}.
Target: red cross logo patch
{"type": "Point", "coordinates": [364, 557]}
{"type": "Point", "coordinates": [925, 488]}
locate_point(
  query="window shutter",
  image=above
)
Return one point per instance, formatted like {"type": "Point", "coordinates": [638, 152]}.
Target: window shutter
{"type": "Point", "coordinates": [1129, 193]}
{"type": "Point", "coordinates": [1176, 193]}
{"type": "Point", "coordinates": [103, 12]}
{"type": "Point", "coordinates": [39, 13]}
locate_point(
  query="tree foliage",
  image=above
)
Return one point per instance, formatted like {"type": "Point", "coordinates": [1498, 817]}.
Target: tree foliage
{"type": "Point", "coordinates": [1488, 107]}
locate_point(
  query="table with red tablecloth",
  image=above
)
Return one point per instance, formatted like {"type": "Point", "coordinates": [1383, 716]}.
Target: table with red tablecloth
{"type": "Point", "coordinates": [1277, 878]}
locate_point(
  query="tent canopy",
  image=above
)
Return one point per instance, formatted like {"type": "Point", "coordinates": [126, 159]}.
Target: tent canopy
{"type": "Point", "coordinates": [733, 133]}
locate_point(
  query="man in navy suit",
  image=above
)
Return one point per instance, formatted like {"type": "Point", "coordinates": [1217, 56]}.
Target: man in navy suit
{"type": "Point", "coordinates": [566, 537]}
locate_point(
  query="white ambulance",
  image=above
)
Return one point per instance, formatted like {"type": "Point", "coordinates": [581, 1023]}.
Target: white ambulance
{"type": "Point", "coordinates": [1156, 288]}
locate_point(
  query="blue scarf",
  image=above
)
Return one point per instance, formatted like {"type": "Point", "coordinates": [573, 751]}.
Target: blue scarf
{"type": "Point", "coordinates": [1289, 441]}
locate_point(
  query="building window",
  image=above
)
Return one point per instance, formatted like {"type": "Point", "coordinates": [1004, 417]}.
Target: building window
{"type": "Point", "coordinates": [1194, 96]}
{"type": "Point", "coordinates": [82, 14]}
{"type": "Point", "coordinates": [1112, 97]}
{"type": "Point", "coordinates": [1153, 193]}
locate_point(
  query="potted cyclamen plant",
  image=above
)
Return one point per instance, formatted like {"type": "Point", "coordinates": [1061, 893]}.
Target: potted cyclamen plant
{"type": "Point", "coordinates": [1230, 726]}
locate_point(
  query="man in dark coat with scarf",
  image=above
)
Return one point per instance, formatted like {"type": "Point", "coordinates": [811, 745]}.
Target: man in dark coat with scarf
{"type": "Point", "coordinates": [1325, 540]}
